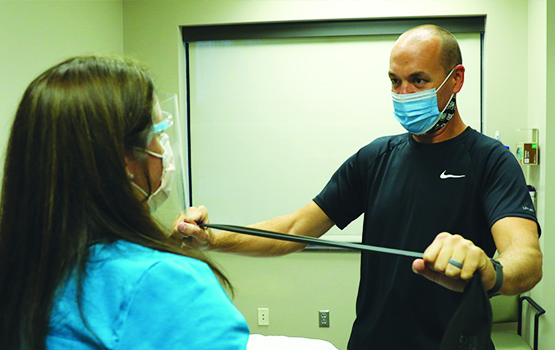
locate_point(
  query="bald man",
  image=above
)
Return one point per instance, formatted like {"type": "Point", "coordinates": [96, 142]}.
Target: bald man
{"type": "Point", "coordinates": [442, 188]}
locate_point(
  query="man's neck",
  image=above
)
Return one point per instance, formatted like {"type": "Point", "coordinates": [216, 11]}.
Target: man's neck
{"type": "Point", "coordinates": [454, 128]}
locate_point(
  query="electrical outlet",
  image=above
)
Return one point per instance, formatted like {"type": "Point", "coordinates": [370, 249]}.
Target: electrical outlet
{"type": "Point", "coordinates": [324, 318]}
{"type": "Point", "coordinates": [263, 316]}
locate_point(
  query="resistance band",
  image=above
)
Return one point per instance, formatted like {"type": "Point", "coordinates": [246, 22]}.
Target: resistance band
{"type": "Point", "coordinates": [319, 241]}
{"type": "Point", "coordinates": [470, 326]}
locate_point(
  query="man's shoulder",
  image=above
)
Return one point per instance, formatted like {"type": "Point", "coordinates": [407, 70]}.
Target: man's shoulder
{"type": "Point", "coordinates": [475, 138]}
{"type": "Point", "coordinates": [385, 143]}
{"type": "Point", "coordinates": [377, 148]}
{"type": "Point", "coordinates": [482, 147]}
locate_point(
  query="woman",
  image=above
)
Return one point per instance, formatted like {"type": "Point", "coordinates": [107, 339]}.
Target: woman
{"type": "Point", "coordinates": [83, 263]}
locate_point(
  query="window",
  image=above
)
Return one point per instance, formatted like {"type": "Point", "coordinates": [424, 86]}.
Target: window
{"type": "Point", "coordinates": [274, 111]}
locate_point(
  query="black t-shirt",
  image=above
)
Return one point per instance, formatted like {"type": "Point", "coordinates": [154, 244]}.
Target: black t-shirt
{"type": "Point", "coordinates": [410, 192]}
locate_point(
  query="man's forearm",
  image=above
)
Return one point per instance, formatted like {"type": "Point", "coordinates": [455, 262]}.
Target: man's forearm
{"type": "Point", "coordinates": [231, 242]}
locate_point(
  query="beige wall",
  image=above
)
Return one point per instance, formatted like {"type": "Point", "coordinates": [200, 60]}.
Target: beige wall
{"type": "Point", "coordinates": [294, 288]}
{"type": "Point", "coordinates": [36, 34]}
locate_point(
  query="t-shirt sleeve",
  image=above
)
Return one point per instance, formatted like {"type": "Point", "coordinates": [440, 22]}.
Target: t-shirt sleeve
{"type": "Point", "coordinates": [505, 191]}
{"type": "Point", "coordinates": [178, 305]}
{"type": "Point", "coordinates": [342, 197]}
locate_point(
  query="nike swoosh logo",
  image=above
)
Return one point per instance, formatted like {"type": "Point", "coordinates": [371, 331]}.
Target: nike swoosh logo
{"type": "Point", "coordinates": [444, 176]}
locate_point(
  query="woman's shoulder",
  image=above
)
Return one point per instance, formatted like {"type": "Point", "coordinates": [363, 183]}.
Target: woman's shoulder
{"type": "Point", "coordinates": [126, 258]}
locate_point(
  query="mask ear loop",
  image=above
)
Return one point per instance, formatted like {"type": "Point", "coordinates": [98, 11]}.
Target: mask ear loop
{"type": "Point", "coordinates": [140, 190]}
{"type": "Point", "coordinates": [448, 103]}
{"type": "Point", "coordinates": [133, 184]}
{"type": "Point", "coordinates": [451, 98]}
{"type": "Point", "coordinates": [448, 75]}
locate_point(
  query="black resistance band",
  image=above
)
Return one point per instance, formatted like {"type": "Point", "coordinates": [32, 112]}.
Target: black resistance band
{"type": "Point", "coordinates": [470, 326]}
{"type": "Point", "coordinates": [319, 241]}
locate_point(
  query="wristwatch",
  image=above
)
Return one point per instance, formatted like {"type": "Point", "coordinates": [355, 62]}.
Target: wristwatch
{"type": "Point", "coordinates": [499, 281]}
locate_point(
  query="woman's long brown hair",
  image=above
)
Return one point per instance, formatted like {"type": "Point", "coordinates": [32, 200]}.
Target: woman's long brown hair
{"type": "Point", "coordinates": [65, 186]}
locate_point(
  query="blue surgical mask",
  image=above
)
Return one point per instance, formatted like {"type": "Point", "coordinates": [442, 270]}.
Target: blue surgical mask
{"type": "Point", "coordinates": [418, 112]}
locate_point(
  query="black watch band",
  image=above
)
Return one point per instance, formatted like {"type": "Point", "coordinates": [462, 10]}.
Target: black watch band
{"type": "Point", "coordinates": [499, 281]}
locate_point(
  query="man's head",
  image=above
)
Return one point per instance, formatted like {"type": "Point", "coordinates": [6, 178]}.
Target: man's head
{"type": "Point", "coordinates": [422, 59]}
{"type": "Point", "coordinates": [450, 53]}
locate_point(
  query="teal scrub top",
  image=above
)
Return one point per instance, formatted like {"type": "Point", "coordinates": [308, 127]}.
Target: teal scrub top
{"type": "Point", "coordinates": [138, 298]}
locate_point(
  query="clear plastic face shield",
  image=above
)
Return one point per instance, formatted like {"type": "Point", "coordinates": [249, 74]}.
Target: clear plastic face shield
{"type": "Point", "coordinates": [170, 125]}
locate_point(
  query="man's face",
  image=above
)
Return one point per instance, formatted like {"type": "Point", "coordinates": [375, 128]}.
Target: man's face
{"type": "Point", "coordinates": [415, 66]}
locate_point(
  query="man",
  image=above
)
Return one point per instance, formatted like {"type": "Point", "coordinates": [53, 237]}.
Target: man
{"type": "Point", "coordinates": [440, 183]}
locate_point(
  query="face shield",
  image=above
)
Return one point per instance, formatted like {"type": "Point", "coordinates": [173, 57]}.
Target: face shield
{"type": "Point", "coordinates": [170, 124]}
